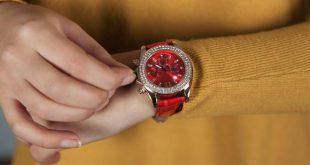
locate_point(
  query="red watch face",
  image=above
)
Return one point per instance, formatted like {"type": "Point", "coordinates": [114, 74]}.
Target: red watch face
{"type": "Point", "coordinates": [165, 69]}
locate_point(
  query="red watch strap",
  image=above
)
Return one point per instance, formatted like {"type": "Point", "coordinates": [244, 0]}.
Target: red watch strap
{"type": "Point", "coordinates": [167, 105]}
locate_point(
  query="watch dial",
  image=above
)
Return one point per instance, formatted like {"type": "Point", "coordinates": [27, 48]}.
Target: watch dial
{"type": "Point", "coordinates": [165, 69]}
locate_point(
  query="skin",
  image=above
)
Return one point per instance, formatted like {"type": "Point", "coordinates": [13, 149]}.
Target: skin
{"type": "Point", "coordinates": [51, 70]}
{"type": "Point", "coordinates": [56, 83]}
{"type": "Point", "coordinates": [127, 108]}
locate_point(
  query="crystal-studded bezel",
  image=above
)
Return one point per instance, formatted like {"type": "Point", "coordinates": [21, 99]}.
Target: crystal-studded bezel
{"type": "Point", "coordinates": [184, 83]}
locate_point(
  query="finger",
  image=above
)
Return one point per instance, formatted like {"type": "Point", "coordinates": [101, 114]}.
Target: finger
{"type": "Point", "coordinates": [76, 34]}
{"type": "Point", "coordinates": [23, 126]}
{"type": "Point", "coordinates": [47, 109]}
{"type": "Point", "coordinates": [88, 130]}
{"type": "Point", "coordinates": [43, 155]}
{"type": "Point", "coordinates": [23, 141]}
{"type": "Point", "coordinates": [70, 58]}
{"type": "Point", "coordinates": [62, 88]}
{"type": "Point", "coordinates": [124, 56]}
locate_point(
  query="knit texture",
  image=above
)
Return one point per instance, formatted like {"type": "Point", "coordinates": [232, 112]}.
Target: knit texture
{"type": "Point", "coordinates": [250, 95]}
{"type": "Point", "coordinates": [266, 72]}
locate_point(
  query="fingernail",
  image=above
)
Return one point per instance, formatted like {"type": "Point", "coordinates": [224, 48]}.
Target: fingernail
{"type": "Point", "coordinates": [129, 79]}
{"type": "Point", "coordinates": [71, 144]}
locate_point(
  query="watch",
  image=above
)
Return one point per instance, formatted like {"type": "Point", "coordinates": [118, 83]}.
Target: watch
{"type": "Point", "coordinates": [164, 73]}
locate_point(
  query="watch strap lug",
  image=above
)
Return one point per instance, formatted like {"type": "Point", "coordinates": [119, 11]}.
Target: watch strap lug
{"type": "Point", "coordinates": [186, 93]}
{"type": "Point", "coordinates": [154, 98]}
{"type": "Point", "coordinates": [136, 62]}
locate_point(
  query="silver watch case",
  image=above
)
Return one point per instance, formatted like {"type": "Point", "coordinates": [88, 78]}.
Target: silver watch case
{"type": "Point", "coordinates": [182, 87]}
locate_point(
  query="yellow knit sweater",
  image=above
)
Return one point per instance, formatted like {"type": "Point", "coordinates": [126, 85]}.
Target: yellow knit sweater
{"type": "Point", "coordinates": [251, 91]}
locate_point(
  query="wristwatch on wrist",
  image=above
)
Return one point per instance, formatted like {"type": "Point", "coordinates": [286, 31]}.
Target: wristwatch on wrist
{"type": "Point", "coordinates": [165, 74]}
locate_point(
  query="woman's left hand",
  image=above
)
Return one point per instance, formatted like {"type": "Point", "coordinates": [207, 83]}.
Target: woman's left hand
{"type": "Point", "coordinates": [126, 108]}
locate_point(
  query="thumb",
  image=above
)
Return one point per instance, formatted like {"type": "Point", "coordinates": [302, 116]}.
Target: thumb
{"type": "Point", "coordinates": [44, 155]}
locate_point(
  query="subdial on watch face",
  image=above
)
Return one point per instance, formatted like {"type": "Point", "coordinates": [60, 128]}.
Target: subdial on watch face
{"type": "Point", "coordinates": [165, 69]}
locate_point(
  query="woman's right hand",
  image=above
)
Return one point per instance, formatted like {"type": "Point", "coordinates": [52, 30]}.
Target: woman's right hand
{"type": "Point", "coordinates": [52, 69]}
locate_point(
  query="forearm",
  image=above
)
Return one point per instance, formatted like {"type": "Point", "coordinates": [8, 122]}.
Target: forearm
{"type": "Point", "coordinates": [265, 72]}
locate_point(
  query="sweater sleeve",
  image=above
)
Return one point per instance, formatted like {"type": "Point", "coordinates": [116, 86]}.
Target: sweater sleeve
{"type": "Point", "coordinates": [265, 72]}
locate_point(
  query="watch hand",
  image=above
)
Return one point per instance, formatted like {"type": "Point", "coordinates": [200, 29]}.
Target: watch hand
{"type": "Point", "coordinates": [158, 66]}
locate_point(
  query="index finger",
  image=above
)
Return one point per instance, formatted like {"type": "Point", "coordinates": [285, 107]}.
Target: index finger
{"type": "Point", "coordinates": [70, 58]}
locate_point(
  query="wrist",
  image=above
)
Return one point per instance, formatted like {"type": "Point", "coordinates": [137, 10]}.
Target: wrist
{"type": "Point", "coordinates": [141, 102]}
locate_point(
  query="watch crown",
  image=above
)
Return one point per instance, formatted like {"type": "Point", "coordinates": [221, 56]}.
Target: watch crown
{"type": "Point", "coordinates": [141, 90]}
{"type": "Point", "coordinates": [136, 62]}
{"type": "Point", "coordinates": [139, 82]}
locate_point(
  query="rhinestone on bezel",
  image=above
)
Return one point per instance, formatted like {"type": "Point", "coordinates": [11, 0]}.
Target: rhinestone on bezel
{"type": "Point", "coordinates": [153, 88]}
